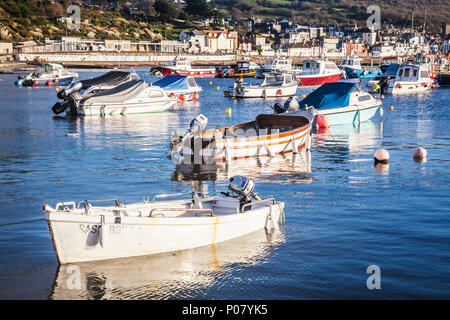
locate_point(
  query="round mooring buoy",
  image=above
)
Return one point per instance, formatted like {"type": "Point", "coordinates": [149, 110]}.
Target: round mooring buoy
{"type": "Point", "coordinates": [420, 155]}
{"type": "Point", "coordinates": [228, 111]}
{"type": "Point", "coordinates": [381, 156]}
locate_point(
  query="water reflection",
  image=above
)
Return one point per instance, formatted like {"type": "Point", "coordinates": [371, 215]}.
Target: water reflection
{"type": "Point", "coordinates": [285, 168]}
{"type": "Point", "coordinates": [180, 274]}
{"type": "Point", "coordinates": [359, 138]}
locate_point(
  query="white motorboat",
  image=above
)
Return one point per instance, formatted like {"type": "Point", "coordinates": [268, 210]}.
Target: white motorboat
{"type": "Point", "coordinates": [183, 87]}
{"type": "Point", "coordinates": [54, 75]}
{"type": "Point", "coordinates": [410, 78]}
{"type": "Point", "coordinates": [182, 66]}
{"type": "Point", "coordinates": [131, 97]}
{"type": "Point", "coordinates": [85, 232]}
{"type": "Point", "coordinates": [275, 84]}
{"type": "Point", "coordinates": [276, 65]}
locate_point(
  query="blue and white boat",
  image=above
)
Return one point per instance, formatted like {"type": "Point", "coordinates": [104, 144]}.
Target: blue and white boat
{"type": "Point", "coordinates": [340, 103]}
{"type": "Point", "coordinates": [54, 75]}
{"type": "Point", "coordinates": [352, 67]}
{"type": "Point", "coordinates": [185, 88]}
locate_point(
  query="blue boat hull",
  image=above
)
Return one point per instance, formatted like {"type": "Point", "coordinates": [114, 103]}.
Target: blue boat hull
{"type": "Point", "coordinates": [353, 73]}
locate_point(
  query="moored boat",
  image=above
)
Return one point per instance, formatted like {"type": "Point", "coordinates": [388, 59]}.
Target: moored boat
{"type": "Point", "coordinates": [183, 67]}
{"type": "Point", "coordinates": [318, 72]}
{"type": "Point", "coordinates": [410, 78]}
{"type": "Point", "coordinates": [183, 87]}
{"type": "Point", "coordinates": [132, 97]}
{"type": "Point", "coordinates": [274, 85]}
{"type": "Point", "coordinates": [87, 231]}
{"type": "Point", "coordinates": [443, 79]}
{"type": "Point", "coordinates": [339, 103]}
{"type": "Point", "coordinates": [352, 67]}
{"type": "Point", "coordinates": [54, 74]}
{"type": "Point", "coordinates": [267, 135]}
{"type": "Point", "coordinates": [380, 83]}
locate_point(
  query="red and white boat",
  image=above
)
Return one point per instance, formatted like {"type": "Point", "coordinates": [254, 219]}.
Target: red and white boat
{"type": "Point", "coordinates": [318, 72]}
{"type": "Point", "coordinates": [183, 67]}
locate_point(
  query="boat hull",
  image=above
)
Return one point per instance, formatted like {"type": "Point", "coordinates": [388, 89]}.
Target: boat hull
{"type": "Point", "coordinates": [200, 73]}
{"type": "Point", "coordinates": [403, 87]}
{"type": "Point", "coordinates": [353, 73]}
{"type": "Point", "coordinates": [316, 80]}
{"type": "Point", "coordinates": [261, 92]}
{"type": "Point", "coordinates": [78, 238]}
{"type": "Point", "coordinates": [46, 82]}
{"type": "Point", "coordinates": [443, 79]}
{"type": "Point", "coordinates": [123, 109]}
{"type": "Point", "coordinates": [349, 115]}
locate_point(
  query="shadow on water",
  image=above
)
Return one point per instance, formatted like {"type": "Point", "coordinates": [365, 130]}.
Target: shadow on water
{"type": "Point", "coordinates": [176, 274]}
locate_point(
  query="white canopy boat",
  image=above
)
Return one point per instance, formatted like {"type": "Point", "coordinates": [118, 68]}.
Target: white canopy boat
{"type": "Point", "coordinates": [131, 97]}
{"type": "Point", "coordinates": [410, 78]}
{"type": "Point", "coordinates": [275, 85]}
{"type": "Point", "coordinates": [54, 75]}
{"type": "Point", "coordinates": [85, 232]}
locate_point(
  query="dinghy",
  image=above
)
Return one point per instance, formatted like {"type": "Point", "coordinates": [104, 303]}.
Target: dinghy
{"type": "Point", "coordinates": [183, 87]}
{"type": "Point", "coordinates": [267, 135]}
{"type": "Point", "coordinates": [338, 103]}
{"type": "Point", "coordinates": [54, 75]}
{"type": "Point", "coordinates": [275, 84]}
{"type": "Point", "coordinates": [132, 97]}
{"type": "Point", "coordinates": [91, 231]}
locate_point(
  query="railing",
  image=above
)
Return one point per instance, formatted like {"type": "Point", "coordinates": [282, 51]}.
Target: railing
{"type": "Point", "coordinates": [257, 202]}
{"type": "Point", "coordinates": [180, 209]}
{"type": "Point", "coordinates": [87, 202]}
{"type": "Point", "coordinates": [168, 195]}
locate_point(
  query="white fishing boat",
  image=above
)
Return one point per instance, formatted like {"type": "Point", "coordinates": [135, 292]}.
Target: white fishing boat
{"type": "Point", "coordinates": [182, 66]}
{"type": "Point", "coordinates": [85, 232]}
{"type": "Point", "coordinates": [54, 74]}
{"type": "Point", "coordinates": [267, 135]}
{"type": "Point", "coordinates": [131, 97]}
{"type": "Point", "coordinates": [275, 84]}
{"type": "Point", "coordinates": [410, 78]}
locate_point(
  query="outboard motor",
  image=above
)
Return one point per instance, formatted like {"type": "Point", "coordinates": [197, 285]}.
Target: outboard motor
{"type": "Point", "coordinates": [290, 105]}
{"type": "Point", "coordinates": [64, 93]}
{"type": "Point", "coordinates": [195, 128]}
{"type": "Point", "coordinates": [60, 107]}
{"type": "Point", "coordinates": [243, 187]}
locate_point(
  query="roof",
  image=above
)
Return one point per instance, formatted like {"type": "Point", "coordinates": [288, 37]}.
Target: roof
{"type": "Point", "coordinates": [329, 96]}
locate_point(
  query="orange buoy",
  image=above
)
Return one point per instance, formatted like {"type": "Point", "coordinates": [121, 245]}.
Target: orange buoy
{"type": "Point", "coordinates": [35, 83]}
{"type": "Point", "coordinates": [279, 92]}
{"type": "Point", "coordinates": [195, 96]}
{"type": "Point", "coordinates": [182, 97]}
{"type": "Point", "coordinates": [55, 80]}
{"type": "Point", "coordinates": [48, 83]}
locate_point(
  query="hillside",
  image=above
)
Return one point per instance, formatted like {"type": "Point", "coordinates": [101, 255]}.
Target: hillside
{"type": "Point", "coordinates": [33, 19]}
{"type": "Point", "coordinates": [397, 12]}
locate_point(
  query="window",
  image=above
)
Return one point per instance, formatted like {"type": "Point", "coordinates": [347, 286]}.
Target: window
{"type": "Point", "coordinates": [400, 73]}
{"type": "Point", "coordinates": [415, 73]}
{"type": "Point", "coordinates": [364, 98]}
{"type": "Point", "coordinates": [423, 74]}
{"type": "Point", "coordinates": [407, 73]}
{"type": "Point", "coordinates": [307, 65]}
{"type": "Point", "coordinates": [155, 94]}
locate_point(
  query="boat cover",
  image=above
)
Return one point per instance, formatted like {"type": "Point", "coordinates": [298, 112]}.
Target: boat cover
{"type": "Point", "coordinates": [119, 94]}
{"type": "Point", "coordinates": [173, 82]}
{"type": "Point", "coordinates": [111, 78]}
{"type": "Point", "coordinates": [329, 96]}
{"type": "Point", "coordinates": [391, 69]}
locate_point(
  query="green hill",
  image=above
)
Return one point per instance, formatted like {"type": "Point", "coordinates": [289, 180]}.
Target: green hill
{"type": "Point", "coordinates": [397, 12]}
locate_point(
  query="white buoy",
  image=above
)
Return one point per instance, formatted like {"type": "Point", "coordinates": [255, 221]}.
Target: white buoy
{"type": "Point", "coordinates": [420, 155]}
{"type": "Point", "coordinates": [72, 135]}
{"type": "Point", "coordinates": [381, 155]}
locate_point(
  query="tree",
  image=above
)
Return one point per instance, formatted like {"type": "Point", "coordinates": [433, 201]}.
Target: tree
{"type": "Point", "coordinates": [199, 9]}
{"type": "Point", "coordinates": [165, 9]}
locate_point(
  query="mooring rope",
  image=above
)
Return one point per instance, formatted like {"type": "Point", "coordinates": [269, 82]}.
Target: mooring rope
{"type": "Point", "coordinates": [20, 222]}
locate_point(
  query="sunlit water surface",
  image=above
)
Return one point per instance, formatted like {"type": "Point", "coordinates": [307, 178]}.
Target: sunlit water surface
{"type": "Point", "coordinates": [342, 214]}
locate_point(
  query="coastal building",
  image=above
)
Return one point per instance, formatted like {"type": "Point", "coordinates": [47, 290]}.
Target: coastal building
{"type": "Point", "coordinates": [6, 47]}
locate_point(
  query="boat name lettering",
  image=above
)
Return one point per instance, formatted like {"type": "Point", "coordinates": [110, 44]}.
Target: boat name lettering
{"type": "Point", "coordinates": [89, 228]}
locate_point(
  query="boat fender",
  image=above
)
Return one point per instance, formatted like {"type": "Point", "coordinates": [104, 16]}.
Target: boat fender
{"type": "Point", "coordinates": [381, 156]}
{"type": "Point", "coordinates": [322, 121]}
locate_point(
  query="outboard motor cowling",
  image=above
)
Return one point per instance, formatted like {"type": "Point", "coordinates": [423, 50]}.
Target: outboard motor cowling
{"type": "Point", "coordinates": [196, 127]}
{"type": "Point", "coordinates": [244, 188]}
{"type": "Point", "coordinates": [64, 93]}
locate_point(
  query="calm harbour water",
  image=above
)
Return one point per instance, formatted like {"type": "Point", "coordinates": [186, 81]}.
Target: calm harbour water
{"type": "Point", "coordinates": [342, 215]}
